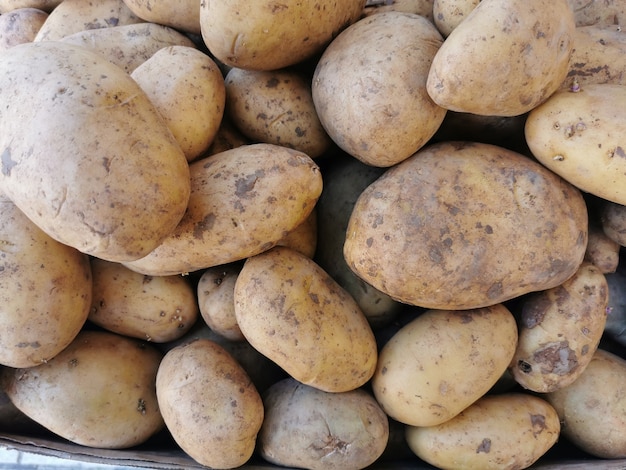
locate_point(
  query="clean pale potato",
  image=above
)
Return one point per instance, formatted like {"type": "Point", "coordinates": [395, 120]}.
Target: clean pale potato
{"type": "Point", "coordinates": [448, 14]}
{"type": "Point", "coordinates": [183, 15]}
{"type": "Point", "coordinates": [20, 26]}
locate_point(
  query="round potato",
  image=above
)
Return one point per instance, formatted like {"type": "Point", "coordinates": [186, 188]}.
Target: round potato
{"type": "Point", "coordinates": [504, 58]}
{"type": "Point", "coordinates": [443, 361]}
{"type": "Point", "coordinates": [369, 87]}
{"type": "Point", "coordinates": [432, 231]}
{"type": "Point", "coordinates": [307, 428]}
{"type": "Point", "coordinates": [579, 136]}
{"type": "Point", "coordinates": [291, 311]}
{"type": "Point", "coordinates": [98, 392]}
{"type": "Point", "coordinates": [209, 404]}
{"type": "Point", "coordinates": [20, 26]}
{"type": "Point", "coordinates": [499, 432]}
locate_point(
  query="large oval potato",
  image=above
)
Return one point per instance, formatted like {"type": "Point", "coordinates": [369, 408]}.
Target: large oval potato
{"type": "Point", "coordinates": [98, 392]}
{"type": "Point", "coordinates": [209, 404]}
{"type": "Point", "coordinates": [504, 58]}
{"type": "Point", "coordinates": [85, 154]}
{"type": "Point", "coordinates": [243, 201]}
{"type": "Point", "coordinates": [580, 136]}
{"type": "Point", "coordinates": [369, 87]}
{"type": "Point", "coordinates": [443, 361]}
{"type": "Point", "coordinates": [463, 225]}
{"type": "Point", "coordinates": [294, 313]}
{"type": "Point", "coordinates": [499, 432]}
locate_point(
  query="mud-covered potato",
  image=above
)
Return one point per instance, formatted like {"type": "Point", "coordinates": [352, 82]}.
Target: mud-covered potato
{"type": "Point", "coordinates": [20, 26]}
{"type": "Point", "coordinates": [307, 428]}
{"type": "Point", "coordinates": [508, 431]}
{"type": "Point", "coordinates": [593, 408]}
{"type": "Point", "coordinates": [441, 362]}
{"type": "Point", "coordinates": [294, 313]}
{"type": "Point", "coordinates": [98, 392]}
{"type": "Point", "coordinates": [209, 404]}
{"type": "Point", "coordinates": [433, 230]}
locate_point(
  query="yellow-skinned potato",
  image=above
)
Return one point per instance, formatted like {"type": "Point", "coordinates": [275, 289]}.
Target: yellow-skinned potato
{"type": "Point", "coordinates": [111, 180]}
{"type": "Point", "coordinates": [276, 107]}
{"type": "Point", "coordinates": [187, 88]}
{"type": "Point", "coordinates": [432, 230]}
{"type": "Point", "coordinates": [227, 137]}
{"type": "Point", "coordinates": [602, 250]}
{"type": "Point", "coordinates": [369, 87]}
{"type": "Point", "coordinates": [443, 361]}
{"type": "Point", "coordinates": [271, 36]}
{"type": "Point", "coordinates": [157, 309]}
{"type": "Point", "coordinates": [46, 5]}
{"type": "Point", "coordinates": [209, 404]}
{"type": "Point", "coordinates": [73, 16]}
{"type": "Point", "coordinates": [45, 291]}
{"type": "Point", "coordinates": [243, 201]}
{"type": "Point", "coordinates": [303, 238]}
{"type": "Point", "coordinates": [98, 392]}
{"type": "Point", "coordinates": [181, 15]}
{"type": "Point", "coordinates": [291, 311]}
{"type": "Point", "coordinates": [580, 137]}
{"type": "Point", "coordinates": [593, 408]}
{"type": "Point", "coordinates": [499, 432]}
{"type": "Point", "coordinates": [20, 26]}
{"type": "Point", "coordinates": [504, 59]}
{"type": "Point", "coordinates": [448, 14]}
{"type": "Point", "coordinates": [560, 329]}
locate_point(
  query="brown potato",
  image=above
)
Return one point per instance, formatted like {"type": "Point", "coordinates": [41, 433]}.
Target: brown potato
{"type": "Point", "coordinates": [463, 225]}
{"type": "Point", "coordinates": [602, 250]}
{"type": "Point", "coordinates": [181, 15]}
{"type": "Point", "coordinates": [20, 26]}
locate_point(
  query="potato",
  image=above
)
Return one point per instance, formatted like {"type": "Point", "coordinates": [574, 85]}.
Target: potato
{"type": "Point", "coordinates": [74, 16]}
{"type": "Point", "coordinates": [509, 431]}
{"type": "Point", "coordinates": [613, 221]}
{"type": "Point", "coordinates": [307, 428]}
{"type": "Point", "coordinates": [290, 310]}
{"type": "Point", "coordinates": [579, 137]}
{"type": "Point", "coordinates": [85, 154]}
{"type": "Point", "coordinates": [504, 59]}
{"type": "Point", "coordinates": [443, 361]}
{"type": "Point", "coordinates": [593, 408]}
{"type": "Point", "coordinates": [433, 230]}
{"type": "Point", "coordinates": [615, 327]}
{"type": "Point", "coordinates": [7, 6]}
{"type": "Point", "coordinates": [209, 404]}
{"type": "Point", "coordinates": [215, 291]}
{"type": "Point", "coordinates": [20, 26]}
{"type": "Point", "coordinates": [448, 14]}
{"type": "Point", "coordinates": [97, 392]}
{"type": "Point", "coordinates": [227, 137]}
{"type": "Point", "coordinates": [303, 238]}
{"type": "Point", "coordinates": [560, 329]}
{"type": "Point", "coordinates": [369, 87]}
{"type": "Point", "coordinates": [276, 107]}
{"type": "Point", "coordinates": [271, 36]}
{"type": "Point", "coordinates": [181, 15]}
{"type": "Point", "coordinates": [607, 12]}
{"type": "Point", "coordinates": [187, 87]}
{"type": "Point", "coordinates": [243, 201]}
{"type": "Point", "coordinates": [602, 251]}
{"type": "Point", "coordinates": [157, 309]}
{"type": "Point", "coordinates": [419, 7]}
{"type": "Point", "coordinates": [129, 46]}
{"type": "Point", "coordinates": [45, 291]}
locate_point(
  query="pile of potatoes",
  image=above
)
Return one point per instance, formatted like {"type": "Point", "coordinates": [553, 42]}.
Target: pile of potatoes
{"type": "Point", "coordinates": [322, 235]}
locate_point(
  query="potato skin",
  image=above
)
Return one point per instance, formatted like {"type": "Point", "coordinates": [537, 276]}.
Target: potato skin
{"type": "Point", "coordinates": [181, 15]}
{"type": "Point", "coordinates": [20, 26]}
{"type": "Point", "coordinates": [115, 201]}
{"type": "Point", "coordinates": [498, 432]}
{"type": "Point", "coordinates": [431, 231]}
{"type": "Point", "coordinates": [98, 392]}
{"type": "Point", "coordinates": [307, 428]}
{"type": "Point", "coordinates": [441, 362]}
{"type": "Point", "coordinates": [560, 329]}
{"type": "Point", "coordinates": [294, 313]}
{"type": "Point", "coordinates": [209, 404]}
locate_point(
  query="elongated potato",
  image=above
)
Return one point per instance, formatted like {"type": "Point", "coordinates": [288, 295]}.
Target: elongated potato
{"type": "Point", "coordinates": [243, 201]}
{"type": "Point", "coordinates": [20, 26]}
{"type": "Point", "coordinates": [181, 15]}
{"type": "Point", "coordinates": [111, 180]}
{"type": "Point", "coordinates": [290, 310]}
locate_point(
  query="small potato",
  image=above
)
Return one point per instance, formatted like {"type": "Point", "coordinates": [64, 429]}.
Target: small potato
{"type": "Point", "coordinates": [157, 309]}
{"type": "Point", "coordinates": [613, 220]}
{"type": "Point", "coordinates": [448, 14]}
{"type": "Point", "coordinates": [187, 88]}
{"type": "Point", "coordinates": [20, 26]}
{"type": "Point", "coordinates": [560, 329]}
{"type": "Point", "coordinates": [209, 404]}
{"type": "Point", "coordinates": [579, 136]}
{"type": "Point", "coordinates": [276, 107]}
{"type": "Point", "coordinates": [97, 392]}
{"type": "Point", "coordinates": [290, 310]}
{"type": "Point", "coordinates": [593, 408]}
{"type": "Point", "coordinates": [183, 15]}
{"type": "Point", "coordinates": [307, 428]}
{"type": "Point", "coordinates": [227, 138]}
{"type": "Point", "coordinates": [499, 432]}
{"type": "Point", "coordinates": [443, 361]}
{"type": "Point", "coordinates": [602, 250]}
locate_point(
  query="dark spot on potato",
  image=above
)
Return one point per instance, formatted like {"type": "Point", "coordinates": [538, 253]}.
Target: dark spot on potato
{"type": "Point", "coordinates": [485, 446]}
{"type": "Point", "coordinates": [314, 298]}
{"type": "Point", "coordinates": [534, 311]}
{"type": "Point", "coordinates": [556, 358]}
{"type": "Point", "coordinates": [141, 406]}
{"type": "Point", "coordinates": [619, 151]}
{"type": "Point", "coordinates": [272, 82]}
{"type": "Point", "coordinates": [300, 132]}
{"type": "Point", "coordinates": [245, 186]}
{"type": "Point", "coordinates": [524, 366]}
{"type": "Point", "coordinates": [383, 371]}
{"type": "Point", "coordinates": [7, 162]}
{"type": "Point", "coordinates": [434, 254]}
{"type": "Point", "coordinates": [26, 344]}
{"type": "Point", "coordinates": [584, 350]}
{"type": "Point", "coordinates": [466, 317]}
{"type": "Point", "coordinates": [538, 423]}
{"type": "Point", "coordinates": [495, 290]}
{"type": "Point", "coordinates": [147, 279]}
{"type": "Point", "coordinates": [369, 242]}
{"type": "Point", "coordinates": [205, 225]}
{"type": "Point", "coordinates": [73, 362]}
